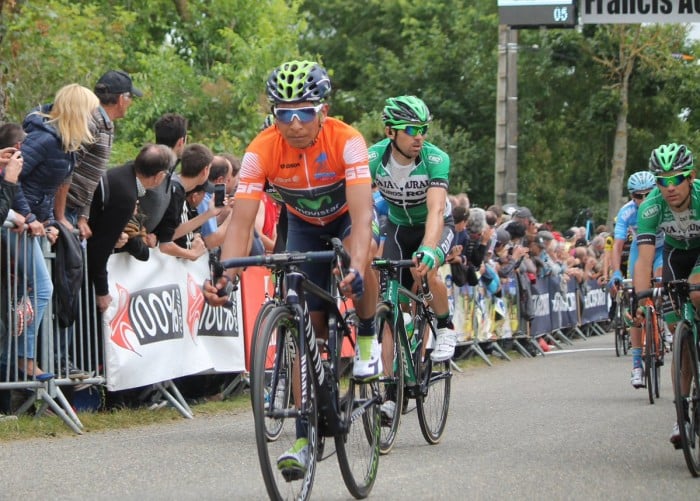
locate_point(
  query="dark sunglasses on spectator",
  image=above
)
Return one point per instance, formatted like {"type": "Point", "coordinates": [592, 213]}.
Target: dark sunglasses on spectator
{"type": "Point", "coordinates": [304, 115]}
{"type": "Point", "coordinates": [413, 130]}
{"type": "Point", "coordinates": [640, 196]}
{"type": "Point", "coordinates": [665, 182]}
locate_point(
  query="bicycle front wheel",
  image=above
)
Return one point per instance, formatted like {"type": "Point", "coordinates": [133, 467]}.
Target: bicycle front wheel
{"type": "Point", "coordinates": [277, 353]}
{"type": "Point", "coordinates": [358, 448]}
{"type": "Point", "coordinates": [391, 383]}
{"type": "Point", "coordinates": [687, 394]}
{"type": "Point", "coordinates": [433, 398]}
{"type": "Point", "coordinates": [619, 326]}
{"type": "Point", "coordinates": [650, 370]}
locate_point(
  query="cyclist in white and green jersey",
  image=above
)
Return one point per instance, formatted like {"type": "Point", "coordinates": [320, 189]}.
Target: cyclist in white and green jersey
{"type": "Point", "coordinates": [412, 176]}
{"type": "Point", "coordinates": [674, 207]}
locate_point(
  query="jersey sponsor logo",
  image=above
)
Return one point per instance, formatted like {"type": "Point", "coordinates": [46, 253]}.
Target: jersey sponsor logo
{"type": "Point", "coordinates": [373, 155]}
{"type": "Point", "coordinates": [434, 159]}
{"type": "Point", "coordinates": [314, 204]}
{"type": "Point", "coordinates": [249, 187]}
{"type": "Point", "coordinates": [290, 165]}
{"type": "Point", "coordinates": [323, 170]}
{"type": "Point", "coordinates": [651, 211]}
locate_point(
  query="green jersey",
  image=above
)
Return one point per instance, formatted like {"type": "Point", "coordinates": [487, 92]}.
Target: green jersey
{"type": "Point", "coordinates": [405, 187]}
{"type": "Point", "coordinates": [681, 229]}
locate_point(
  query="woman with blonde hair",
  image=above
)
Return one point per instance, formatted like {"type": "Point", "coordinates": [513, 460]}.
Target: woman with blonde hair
{"type": "Point", "coordinates": [55, 132]}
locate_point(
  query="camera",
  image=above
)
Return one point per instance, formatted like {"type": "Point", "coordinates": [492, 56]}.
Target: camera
{"type": "Point", "coordinates": [219, 194]}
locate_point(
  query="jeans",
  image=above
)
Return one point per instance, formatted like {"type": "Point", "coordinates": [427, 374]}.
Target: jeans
{"type": "Point", "coordinates": [31, 263]}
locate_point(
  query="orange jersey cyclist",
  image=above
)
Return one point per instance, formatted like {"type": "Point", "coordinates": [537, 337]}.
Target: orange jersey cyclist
{"type": "Point", "coordinates": [319, 167]}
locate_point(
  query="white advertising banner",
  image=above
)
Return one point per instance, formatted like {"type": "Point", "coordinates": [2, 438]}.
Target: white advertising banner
{"type": "Point", "coordinates": [639, 11]}
{"type": "Point", "coordinates": [159, 327]}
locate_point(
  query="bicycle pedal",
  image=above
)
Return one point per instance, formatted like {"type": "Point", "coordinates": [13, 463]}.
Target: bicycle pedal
{"type": "Point", "coordinates": [292, 474]}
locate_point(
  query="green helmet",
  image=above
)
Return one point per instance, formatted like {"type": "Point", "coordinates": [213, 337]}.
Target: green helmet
{"type": "Point", "coordinates": [405, 110]}
{"type": "Point", "coordinates": [671, 158]}
{"type": "Point", "coordinates": [297, 82]}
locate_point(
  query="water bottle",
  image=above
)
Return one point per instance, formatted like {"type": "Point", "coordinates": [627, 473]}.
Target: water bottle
{"type": "Point", "coordinates": [408, 324]}
{"type": "Point", "coordinates": [281, 390]}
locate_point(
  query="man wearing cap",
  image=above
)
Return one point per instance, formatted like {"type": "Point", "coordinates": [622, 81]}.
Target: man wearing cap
{"type": "Point", "coordinates": [115, 90]}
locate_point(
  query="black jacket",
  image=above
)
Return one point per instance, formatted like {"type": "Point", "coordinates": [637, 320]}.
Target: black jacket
{"type": "Point", "coordinates": [112, 206]}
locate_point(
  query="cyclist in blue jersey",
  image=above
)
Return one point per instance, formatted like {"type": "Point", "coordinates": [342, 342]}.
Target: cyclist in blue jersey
{"type": "Point", "coordinates": [639, 185]}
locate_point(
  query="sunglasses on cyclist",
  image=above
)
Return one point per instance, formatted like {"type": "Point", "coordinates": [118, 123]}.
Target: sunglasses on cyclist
{"type": "Point", "coordinates": [640, 196]}
{"type": "Point", "coordinates": [413, 130]}
{"type": "Point", "coordinates": [304, 115]}
{"type": "Point", "coordinates": [665, 182]}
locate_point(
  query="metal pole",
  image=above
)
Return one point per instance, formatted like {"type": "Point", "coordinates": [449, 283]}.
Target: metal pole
{"type": "Point", "coordinates": [506, 164]}
{"type": "Point", "coordinates": [511, 167]}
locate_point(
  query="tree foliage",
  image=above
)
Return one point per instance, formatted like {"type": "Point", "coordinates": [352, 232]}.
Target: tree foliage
{"type": "Point", "coordinates": [208, 59]}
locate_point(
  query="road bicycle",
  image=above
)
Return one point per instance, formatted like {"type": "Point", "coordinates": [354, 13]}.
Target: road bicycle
{"type": "Point", "coordinates": [620, 323]}
{"type": "Point", "coordinates": [300, 377]}
{"type": "Point", "coordinates": [653, 345]}
{"type": "Point", "coordinates": [685, 366]}
{"type": "Point", "coordinates": [413, 375]}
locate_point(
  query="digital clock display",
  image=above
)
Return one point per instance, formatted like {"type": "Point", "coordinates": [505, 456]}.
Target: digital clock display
{"type": "Point", "coordinates": [536, 13]}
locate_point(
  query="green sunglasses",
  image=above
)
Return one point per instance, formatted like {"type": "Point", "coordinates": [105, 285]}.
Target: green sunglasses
{"type": "Point", "coordinates": [665, 182]}
{"type": "Point", "coordinates": [413, 130]}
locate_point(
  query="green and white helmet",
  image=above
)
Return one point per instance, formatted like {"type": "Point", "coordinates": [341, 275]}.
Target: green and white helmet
{"type": "Point", "coordinates": [671, 158]}
{"type": "Point", "coordinates": [297, 82]}
{"type": "Point", "coordinates": [405, 110]}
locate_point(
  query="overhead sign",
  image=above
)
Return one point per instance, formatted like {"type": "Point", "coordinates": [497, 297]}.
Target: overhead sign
{"type": "Point", "coordinates": [537, 13]}
{"type": "Point", "coordinates": [639, 11]}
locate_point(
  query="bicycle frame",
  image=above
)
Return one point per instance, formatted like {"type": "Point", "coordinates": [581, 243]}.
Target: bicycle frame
{"type": "Point", "coordinates": [391, 291]}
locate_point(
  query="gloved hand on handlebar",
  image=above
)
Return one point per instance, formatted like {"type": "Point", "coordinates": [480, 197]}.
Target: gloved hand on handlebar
{"type": "Point", "coordinates": [353, 283]}
{"type": "Point", "coordinates": [429, 256]}
{"type": "Point", "coordinates": [615, 279]}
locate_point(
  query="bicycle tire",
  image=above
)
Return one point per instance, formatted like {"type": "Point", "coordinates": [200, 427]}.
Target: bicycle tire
{"type": "Point", "coordinates": [619, 328]}
{"type": "Point", "coordinates": [389, 383]}
{"type": "Point", "coordinates": [433, 398]}
{"type": "Point", "coordinates": [264, 308]}
{"type": "Point", "coordinates": [358, 448]}
{"type": "Point", "coordinates": [649, 354]}
{"type": "Point", "coordinates": [619, 339]}
{"type": "Point", "coordinates": [273, 426]}
{"type": "Point", "coordinates": [279, 324]}
{"type": "Point", "coordinates": [687, 406]}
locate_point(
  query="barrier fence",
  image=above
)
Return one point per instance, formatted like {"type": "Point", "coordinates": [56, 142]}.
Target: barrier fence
{"type": "Point", "coordinates": [159, 328]}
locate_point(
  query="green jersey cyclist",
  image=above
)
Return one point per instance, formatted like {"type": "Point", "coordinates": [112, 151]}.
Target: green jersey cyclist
{"type": "Point", "coordinates": [412, 176]}
{"type": "Point", "coordinates": [674, 207]}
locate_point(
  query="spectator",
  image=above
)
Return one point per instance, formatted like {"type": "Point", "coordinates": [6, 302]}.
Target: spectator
{"type": "Point", "coordinates": [115, 91]}
{"type": "Point", "coordinates": [113, 205]}
{"type": "Point", "coordinates": [196, 161]}
{"type": "Point", "coordinates": [55, 133]}
{"type": "Point", "coordinates": [171, 131]}
{"type": "Point", "coordinates": [11, 137]}
{"type": "Point", "coordinates": [213, 230]}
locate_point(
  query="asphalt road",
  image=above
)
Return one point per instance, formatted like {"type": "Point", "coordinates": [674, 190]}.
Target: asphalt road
{"type": "Point", "coordinates": [564, 426]}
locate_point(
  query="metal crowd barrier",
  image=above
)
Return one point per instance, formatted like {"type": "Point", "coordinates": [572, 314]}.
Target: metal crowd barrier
{"type": "Point", "coordinates": [56, 347]}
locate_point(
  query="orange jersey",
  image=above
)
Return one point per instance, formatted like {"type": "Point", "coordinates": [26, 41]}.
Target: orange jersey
{"type": "Point", "coordinates": [311, 181]}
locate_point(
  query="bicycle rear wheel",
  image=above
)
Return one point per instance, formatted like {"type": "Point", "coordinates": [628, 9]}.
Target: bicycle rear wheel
{"type": "Point", "coordinates": [433, 396]}
{"type": "Point", "coordinates": [358, 449]}
{"type": "Point", "coordinates": [685, 360]}
{"type": "Point", "coordinates": [390, 385]}
{"type": "Point", "coordinates": [650, 369]}
{"type": "Point", "coordinates": [277, 349]}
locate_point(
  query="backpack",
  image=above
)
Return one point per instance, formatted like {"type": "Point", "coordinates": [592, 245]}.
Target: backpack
{"type": "Point", "coordinates": [68, 276]}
